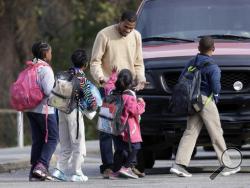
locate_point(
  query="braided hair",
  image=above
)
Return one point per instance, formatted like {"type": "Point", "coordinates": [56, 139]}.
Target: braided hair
{"type": "Point", "coordinates": [39, 49]}
{"type": "Point", "coordinates": [124, 80]}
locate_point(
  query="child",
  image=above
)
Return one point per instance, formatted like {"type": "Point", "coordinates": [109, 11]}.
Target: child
{"type": "Point", "coordinates": [133, 108]}
{"type": "Point", "coordinates": [42, 118]}
{"type": "Point", "coordinates": [70, 146]}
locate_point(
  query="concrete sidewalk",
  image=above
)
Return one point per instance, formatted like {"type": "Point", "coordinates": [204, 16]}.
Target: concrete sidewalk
{"type": "Point", "coordinates": [18, 158]}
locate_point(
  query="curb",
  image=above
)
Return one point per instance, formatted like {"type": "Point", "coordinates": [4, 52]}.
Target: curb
{"type": "Point", "coordinates": [12, 159]}
{"type": "Point", "coordinates": [12, 166]}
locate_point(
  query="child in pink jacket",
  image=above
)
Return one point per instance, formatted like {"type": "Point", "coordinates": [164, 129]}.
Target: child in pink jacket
{"type": "Point", "coordinates": [133, 108]}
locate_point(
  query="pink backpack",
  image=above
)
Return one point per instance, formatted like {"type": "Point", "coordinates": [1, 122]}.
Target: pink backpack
{"type": "Point", "coordinates": [25, 93]}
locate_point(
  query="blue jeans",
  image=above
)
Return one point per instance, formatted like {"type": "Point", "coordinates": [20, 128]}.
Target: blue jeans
{"type": "Point", "coordinates": [105, 141]}
{"type": "Point", "coordinates": [42, 152]}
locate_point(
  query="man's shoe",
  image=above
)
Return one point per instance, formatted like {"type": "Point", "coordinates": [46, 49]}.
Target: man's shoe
{"type": "Point", "coordinates": [138, 173]}
{"type": "Point", "coordinates": [127, 172]}
{"type": "Point", "coordinates": [58, 174]}
{"type": "Point", "coordinates": [106, 173]}
{"type": "Point", "coordinates": [228, 172]}
{"type": "Point", "coordinates": [180, 171]}
{"type": "Point", "coordinates": [79, 178]}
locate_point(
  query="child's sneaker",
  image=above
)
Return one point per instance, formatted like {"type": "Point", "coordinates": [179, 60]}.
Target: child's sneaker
{"type": "Point", "coordinates": [58, 174]}
{"type": "Point", "coordinates": [40, 171]}
{"type": "Point", "coordinates": [228, 172]}
{"type": "Point", "coordinates": [79, 178]}
{"type": "Point", "coordinates": [35, 178]}
{"type": "Point", "coordinates": [114, 175]}
{"type": "Point", "coordinates": [50, 178]}
{"type": "Point", "coordinates": [127, 172]}
{"type": "Point", "coordinates": [179, 170]}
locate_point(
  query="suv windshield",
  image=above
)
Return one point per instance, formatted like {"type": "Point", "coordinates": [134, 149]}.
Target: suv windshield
{"type": "Point", "coordinates": [193, 18]}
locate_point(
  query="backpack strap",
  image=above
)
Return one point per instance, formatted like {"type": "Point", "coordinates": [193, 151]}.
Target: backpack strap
{"type": "Point", "coordinates": [77, 115]}
{"type": "Point", "coordinates": [128, 92]}
{"type": "Point", "coordinates": [77, 119]}
{"type": "Point", "coordinates": [193, 67]}
{"type": "Point", "coordinates": [72, 71]}
{"type": "Point", "coordinates": [129, 138]}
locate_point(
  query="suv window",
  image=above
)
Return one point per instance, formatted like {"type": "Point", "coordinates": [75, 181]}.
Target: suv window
{"type": "Point", "coordinates": [193, 18]}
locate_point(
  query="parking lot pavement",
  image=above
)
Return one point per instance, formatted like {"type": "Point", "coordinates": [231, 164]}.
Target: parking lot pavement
{"type": "Point", "coordinates": [201, 168]}
{"type": "Point", "coordinates": [18, 158]}
{"type": "Point", "coordinates": [158, 177]}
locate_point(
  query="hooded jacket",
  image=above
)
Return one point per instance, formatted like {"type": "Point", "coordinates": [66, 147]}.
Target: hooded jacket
{"type": "Point", "coordinates": [133, 108]}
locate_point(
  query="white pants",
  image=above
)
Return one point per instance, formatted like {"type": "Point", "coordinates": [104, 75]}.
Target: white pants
{"type": "Point", "coordinates": [70, 146]}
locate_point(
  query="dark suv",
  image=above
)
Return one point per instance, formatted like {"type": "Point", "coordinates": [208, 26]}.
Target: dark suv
{"type": "Point", "coordinates": [170, 32]}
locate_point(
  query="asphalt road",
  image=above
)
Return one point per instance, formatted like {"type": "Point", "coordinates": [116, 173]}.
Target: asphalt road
{"type": "Point", "coordinates": [159, 176]}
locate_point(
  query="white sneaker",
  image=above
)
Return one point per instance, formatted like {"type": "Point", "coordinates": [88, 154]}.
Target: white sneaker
{"type": "Point", "coordinates": [79, 178]}
{"type": "Point", "coordinates": [179, 171]}
{"type": "Point", "coordinates": [58, 174]}
{"type": "Point", "coordinates": [228, 172]}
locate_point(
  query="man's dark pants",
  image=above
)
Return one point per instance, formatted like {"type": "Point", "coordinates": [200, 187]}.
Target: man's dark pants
{"type": "Point", "coordinates": [106, 149]}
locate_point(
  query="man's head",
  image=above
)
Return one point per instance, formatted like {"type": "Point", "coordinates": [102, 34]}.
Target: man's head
{"type": "Point", "coordinates": [206, 45]}
{"type": "Point", "coordinates": [79, 58]}
{"type": "Point", "coordinates": [127, 23]}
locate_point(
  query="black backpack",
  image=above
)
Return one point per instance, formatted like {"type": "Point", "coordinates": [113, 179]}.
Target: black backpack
{"type": "Point", "coordinates": [186, 96]}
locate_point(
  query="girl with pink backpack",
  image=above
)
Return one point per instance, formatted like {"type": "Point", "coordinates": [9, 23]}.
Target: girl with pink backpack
{"type": "Point", "coordinates": [128, 143]}
{"type": "Point", "coordinates": [42, 117]}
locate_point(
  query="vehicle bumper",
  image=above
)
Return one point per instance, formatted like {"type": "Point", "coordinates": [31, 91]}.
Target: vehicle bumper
{"type": "Point", "coordinates": [157, 121]}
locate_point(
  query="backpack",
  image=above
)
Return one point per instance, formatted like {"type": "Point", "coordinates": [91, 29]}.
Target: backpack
{"type": "Point", "coordinates": [84, 103]}
{"type": "Point", "coordinates": [25, 93]}
{"type": "Point", "coordinates": [66, 92]}
{"type": "Point", "coordinates": [186, 96]}
{"type": "Point", "coordinates": [110, 113]}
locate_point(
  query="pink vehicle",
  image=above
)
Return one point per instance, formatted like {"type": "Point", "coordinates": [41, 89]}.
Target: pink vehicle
{"type": "Point", "coordinates": [170, 33]}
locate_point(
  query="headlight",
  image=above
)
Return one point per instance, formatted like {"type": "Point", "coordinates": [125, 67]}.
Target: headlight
{"type": "Point", "coordinates": [238, 85]}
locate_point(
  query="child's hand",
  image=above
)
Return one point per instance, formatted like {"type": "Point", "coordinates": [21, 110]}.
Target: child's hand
{"type": "Point", "coordinates": [82, 82]}
{"type": "Point", "coordinates": [140, 100]}
{"type": "Point", "coordinates": [114, 69]}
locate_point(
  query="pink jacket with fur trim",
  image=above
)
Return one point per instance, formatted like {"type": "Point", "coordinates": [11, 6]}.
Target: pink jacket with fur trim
{"type": "Point", "coordinates": [133, 108]}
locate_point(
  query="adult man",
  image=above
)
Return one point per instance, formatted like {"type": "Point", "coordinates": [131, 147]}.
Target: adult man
{"type": "Point", "coordinates": [209, 116]}
{"type": "Point", "coordinates": [117, 46]}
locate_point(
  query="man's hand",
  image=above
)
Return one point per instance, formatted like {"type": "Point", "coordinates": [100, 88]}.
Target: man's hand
{"type": "Point", "coordinates": [140, 86]}
{"type": "Point", "coordinates": [101, 81]}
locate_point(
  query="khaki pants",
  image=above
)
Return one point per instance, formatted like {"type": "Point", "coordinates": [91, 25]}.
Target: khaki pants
{"type": "Point", "coordinates": [210, 118]}
{"type": "Point", "coordinates": [70, 147]}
